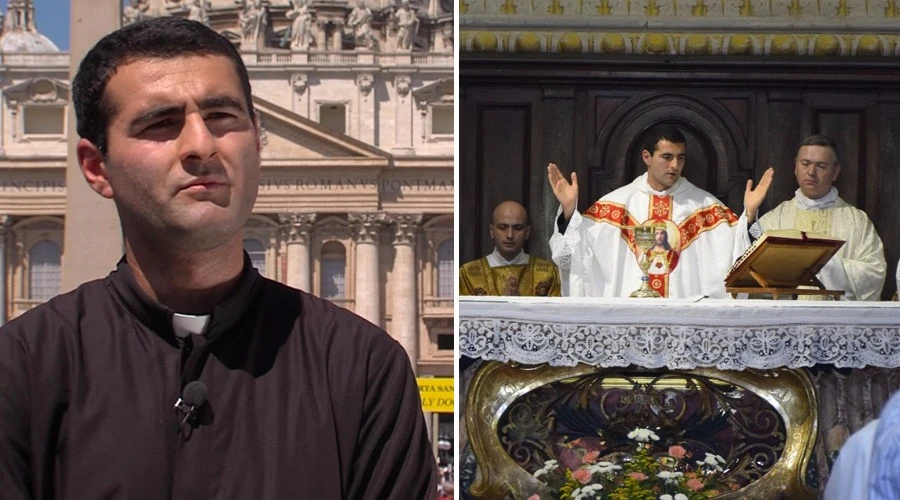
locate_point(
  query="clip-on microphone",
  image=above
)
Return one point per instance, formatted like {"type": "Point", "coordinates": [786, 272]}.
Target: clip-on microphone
{"type": "Point", "coordinates": [192, 398]}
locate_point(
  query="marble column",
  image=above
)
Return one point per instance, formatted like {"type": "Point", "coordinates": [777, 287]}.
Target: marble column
{"type": "Point", "coordinates": [365, 228]}
{"type": "Point", "coordinates": [363, 127]}
{"type": "Point", "coordinates": [404, 314]}
{"type": "Point", "coordinates": [319, 35]}
{"type": "Point", "coordinates": [296, 233]}
{"type": "Point", "coordinates": [93, 238]}
{"type": "Point", "coordinates": [336, 36]}
{"type": "Point", "coordinates": [5, 223]}
{"type": "Point", "coordinates": [403, 124]}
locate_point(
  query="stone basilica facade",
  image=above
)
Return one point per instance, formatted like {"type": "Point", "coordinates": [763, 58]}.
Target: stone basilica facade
{"type": "Point", "coordinates": [356, 193]}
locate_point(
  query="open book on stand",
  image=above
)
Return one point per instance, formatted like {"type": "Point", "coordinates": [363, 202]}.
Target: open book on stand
{"type": "Point", "coordinates": [784, 262]}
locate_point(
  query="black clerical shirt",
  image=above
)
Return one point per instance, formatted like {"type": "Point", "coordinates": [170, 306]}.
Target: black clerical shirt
{"type": "Point", "coordinates": [304, 400]}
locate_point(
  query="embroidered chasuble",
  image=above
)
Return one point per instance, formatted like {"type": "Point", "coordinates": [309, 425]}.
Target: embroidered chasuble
{"type": "Point", "coordinates": [539, 277]}
{"type": "Point", "coordinates": [701, 239]}
{"type": "Point", "coordinates": [859, 268]}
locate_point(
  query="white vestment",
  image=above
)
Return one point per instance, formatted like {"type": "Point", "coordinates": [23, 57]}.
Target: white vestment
{"type": "Point", "coordinates": [859, 268]}
{"type": "Point", "coordinates": [849, 478]}
{"type": "Point", "coordinates": [597, 253]}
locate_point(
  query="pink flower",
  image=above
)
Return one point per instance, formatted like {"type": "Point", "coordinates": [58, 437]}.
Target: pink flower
{"type": "Point", "coordinates": [695, 484]}
{"type": "Point", "coordinates": [582, 475]}
{"type": "Point", "coordinates": [677, 451]}
{"type": "Point", "coordinates": [637, 476]}
{"type": "Point", "coordinates": [590, 457]}
{"type": "Point", "coordinates": [534, 497]}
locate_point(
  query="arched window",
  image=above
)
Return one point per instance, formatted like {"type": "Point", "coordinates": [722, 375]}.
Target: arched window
{"type": "Point", "coordinates": [257, 252]}
{"type": "Point", "coordinates": [333, 262]}
{"type": "Point", "coordinates": [445, 268]}
{"type": "Point", "coordinates": [43, 270]}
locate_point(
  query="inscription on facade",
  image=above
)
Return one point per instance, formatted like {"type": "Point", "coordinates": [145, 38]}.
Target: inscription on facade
{"type": "Point", "coordinates": [354, 184]}
{"type": "Point", "coordinates": [33, 186]}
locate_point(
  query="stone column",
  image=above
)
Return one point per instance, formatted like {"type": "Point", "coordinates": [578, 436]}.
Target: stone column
{"type": "Point", "coordinates": [93, 238]}
{"type": "Point", "coordinates": [319, 35]}
{"type": "Point", "coordinates": [363, 127]}
{"type": "Point", "coordinates": [296, 232]}
{"type": "Point", "coordinates": [403, 125]}
{"type": "Point", "coordinates": [404, 317]}
{"type": "Point", "coordinates": [365, 228]}
{"type": "Point", "coordinates": [336, 35]}
{"type": "Point", "coordinates": [5, 223]}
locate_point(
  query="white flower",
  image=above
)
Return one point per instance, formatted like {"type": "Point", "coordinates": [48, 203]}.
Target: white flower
{"type": "Point", "coordinates": [681, 496]}
{"type": "Point", "coordinates": [604, 468]}
{"type": "Point", "coordinates": [666, 497]}
{"type": "Point", "coordinates": [713, 461]}
{"type": "Point", "coordinates": [549, 465]}
{"type": "Point", "coordinates": [588, 491]}
{"type": "Point", "coordinates": [669, 475]}
{"type": "Point", "coordinates": [643, 435]}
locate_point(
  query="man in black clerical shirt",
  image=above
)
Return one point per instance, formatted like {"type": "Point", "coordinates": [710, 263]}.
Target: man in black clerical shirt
{"type": "Point", "coordinates": [288, 395]}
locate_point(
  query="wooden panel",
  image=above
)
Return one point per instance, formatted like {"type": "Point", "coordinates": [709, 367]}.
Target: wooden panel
{"type": "Point", "coordinates": [846, 128]}
{"type": "Point", "coordinates": [503, 160]}
{"type": "Point", "coordinates": [780, 137]}
{"type": "Point", "coordinates": [886, 207]}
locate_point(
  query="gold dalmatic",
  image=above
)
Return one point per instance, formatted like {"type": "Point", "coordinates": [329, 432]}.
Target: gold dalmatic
{"type": "Point", "coordinates": [537, 278]}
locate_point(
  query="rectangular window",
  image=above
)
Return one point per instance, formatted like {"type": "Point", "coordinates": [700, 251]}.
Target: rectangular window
{"type": "Point", "coordinates": [445, 341]}
{"type": "Point", "coordinates": [334, 117]}
{"type": "Point", "coordinates": [44, 120]}
{"type": "Point", "coordinates": [441, 120]}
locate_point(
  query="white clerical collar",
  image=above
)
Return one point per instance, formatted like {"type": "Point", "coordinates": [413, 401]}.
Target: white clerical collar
{"type": "Point", "coordinates": [827, 201]}
{"type": "Point", "coordinates": [497, 260]}
{"type": "Point", "coordinates": [666, 192]}
{"type": "Point", "coordinates": [186, 324]}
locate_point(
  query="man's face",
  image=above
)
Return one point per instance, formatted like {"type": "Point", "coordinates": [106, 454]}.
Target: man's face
{"type": "Point", "coordinates": [816, 170]}
{"type": "Point", "coordinates": [183, 155]}
{"type": "Point", "coordinates": [664, 165]}
{"type": "Point", "coordinates": [510, 230]}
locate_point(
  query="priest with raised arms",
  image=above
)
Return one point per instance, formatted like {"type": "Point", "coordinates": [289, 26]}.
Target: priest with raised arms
{"type": "Point", "coordinates": [595, 251]}
{"type": "Point", "coordinates": [859, 268]}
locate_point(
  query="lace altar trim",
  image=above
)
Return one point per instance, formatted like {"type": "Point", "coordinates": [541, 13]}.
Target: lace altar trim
{"type": "Point", "coordinates": [679, 346]}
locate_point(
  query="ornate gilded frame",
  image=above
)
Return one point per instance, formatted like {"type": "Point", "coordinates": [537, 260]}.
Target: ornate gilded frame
{"type": "Point", "coordinates": [497, 385]}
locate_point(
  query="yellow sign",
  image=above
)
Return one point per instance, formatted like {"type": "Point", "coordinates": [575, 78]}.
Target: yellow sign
{"type": "Point", "coordinates": [436, 394]}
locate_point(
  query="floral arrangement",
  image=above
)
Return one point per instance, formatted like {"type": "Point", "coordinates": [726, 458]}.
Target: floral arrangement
{"type": "Point", "coordinates": [652, 472]}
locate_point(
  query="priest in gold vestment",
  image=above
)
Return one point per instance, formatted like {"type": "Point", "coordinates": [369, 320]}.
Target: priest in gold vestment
{"type": "Point", "coordinates": [859, 268]}
{"type": "Point", "coordinates": [508, 270]}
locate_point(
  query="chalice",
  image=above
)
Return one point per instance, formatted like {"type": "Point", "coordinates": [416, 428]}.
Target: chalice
{"type": "Point", "coordinates": [644, 240]}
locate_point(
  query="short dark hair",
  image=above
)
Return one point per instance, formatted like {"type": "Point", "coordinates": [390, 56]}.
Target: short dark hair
{"type": "Point", "coordinates": [154, 38]}
{"type": "Point", "coordinates": [663, 132]}
{"type": "Point", "coordinates": [821, 140]}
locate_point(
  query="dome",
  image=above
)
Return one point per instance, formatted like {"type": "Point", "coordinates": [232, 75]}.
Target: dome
{"type": "Point", "coordinates": [26, 41]}
{"type": "Point", "coordinates": [19, 31]}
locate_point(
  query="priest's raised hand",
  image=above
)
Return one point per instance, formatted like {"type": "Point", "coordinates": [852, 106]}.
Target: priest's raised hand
{"type": "Point", "coordinates": [566, 192]}
{"type": "Point", "coordinates": [753, 198]}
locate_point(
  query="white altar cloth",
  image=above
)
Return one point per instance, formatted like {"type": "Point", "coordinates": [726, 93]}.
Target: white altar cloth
{"type": "Point", "coordinates": [680, 334]}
